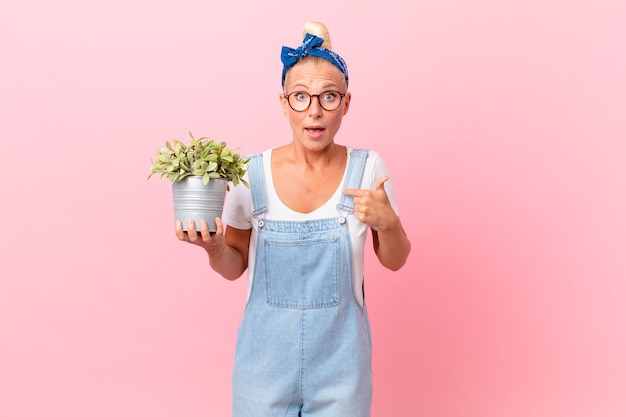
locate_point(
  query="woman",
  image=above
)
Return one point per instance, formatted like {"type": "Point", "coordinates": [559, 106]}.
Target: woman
{"type": "Point", "coordinates": [304, 347]}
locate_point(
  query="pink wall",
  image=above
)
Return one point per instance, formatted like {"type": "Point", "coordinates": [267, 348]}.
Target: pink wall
{"type": "Point", "coordinates": [504, 127]}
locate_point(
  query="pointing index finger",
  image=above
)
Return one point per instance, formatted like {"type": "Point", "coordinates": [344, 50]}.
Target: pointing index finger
{"type": "Point", "coordinates": [353, 192]}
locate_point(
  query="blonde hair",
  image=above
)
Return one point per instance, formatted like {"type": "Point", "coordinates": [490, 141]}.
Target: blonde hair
{"type": "Point", "coordinates": [318, 29]}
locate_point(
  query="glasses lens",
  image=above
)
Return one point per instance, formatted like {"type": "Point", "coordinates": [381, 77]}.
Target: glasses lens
{"type": "Point", "coordinates": [299, 101]}
{"type": "Point", "coordinates": [330, 100]}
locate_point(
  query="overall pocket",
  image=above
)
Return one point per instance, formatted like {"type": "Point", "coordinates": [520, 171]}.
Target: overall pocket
{"type": "Point", "coordinates": [302, 274]}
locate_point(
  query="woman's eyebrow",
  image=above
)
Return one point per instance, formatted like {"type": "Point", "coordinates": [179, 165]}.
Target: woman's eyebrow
{"type": "Point", "coordinates": [324, 87]}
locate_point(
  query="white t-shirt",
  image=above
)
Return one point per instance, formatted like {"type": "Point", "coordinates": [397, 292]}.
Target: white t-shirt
{"type": "Point", "coordinates": [238, 213]}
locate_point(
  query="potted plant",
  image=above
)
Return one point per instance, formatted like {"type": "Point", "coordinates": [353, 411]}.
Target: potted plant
{"type": "Point", "coordinates": [200, 172]}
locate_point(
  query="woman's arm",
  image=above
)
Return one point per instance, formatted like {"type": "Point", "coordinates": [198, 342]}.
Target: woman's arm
{"type": "Point", "coordinates": [372, 207]}
{"type": "Point", "coordinates": [392, 246]}
{"type": "Point", "coordinates": [227, 250]}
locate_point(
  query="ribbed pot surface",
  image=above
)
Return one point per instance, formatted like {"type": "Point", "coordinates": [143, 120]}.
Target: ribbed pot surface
{"type": "Point", "coordinates": [196, 201]}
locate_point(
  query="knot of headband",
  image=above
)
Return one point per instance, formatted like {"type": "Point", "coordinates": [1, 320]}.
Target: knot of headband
{"type": "Point", "coordinates": [311, 45]}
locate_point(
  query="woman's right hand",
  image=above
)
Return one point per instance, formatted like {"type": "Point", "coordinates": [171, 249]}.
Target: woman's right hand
{"type": "Point", "coordinates": [202, 238]}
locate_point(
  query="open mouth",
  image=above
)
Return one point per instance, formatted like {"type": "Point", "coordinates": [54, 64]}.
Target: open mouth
{"type": "Point", "coordinates": [314, 131]}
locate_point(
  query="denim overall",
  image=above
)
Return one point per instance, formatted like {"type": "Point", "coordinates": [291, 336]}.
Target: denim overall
{"type": "Point", "coordinates": [303, 347]}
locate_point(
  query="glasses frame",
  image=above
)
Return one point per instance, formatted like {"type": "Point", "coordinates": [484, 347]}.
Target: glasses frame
{"type": "Point", "coordinates": [341, 96]}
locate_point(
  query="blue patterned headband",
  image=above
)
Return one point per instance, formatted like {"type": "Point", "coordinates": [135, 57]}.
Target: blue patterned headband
{"type": "Point", "coordinates": [311, 46]}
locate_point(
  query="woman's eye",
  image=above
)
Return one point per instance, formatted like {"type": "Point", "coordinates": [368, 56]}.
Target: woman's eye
{"type": "Point", "coordinates": [301, 96]}
{"type": "Point", "coordinates": [330, 96]}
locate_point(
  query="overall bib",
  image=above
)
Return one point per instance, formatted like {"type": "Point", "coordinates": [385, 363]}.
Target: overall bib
{"type": "Point", "coordinates": [304, 346]}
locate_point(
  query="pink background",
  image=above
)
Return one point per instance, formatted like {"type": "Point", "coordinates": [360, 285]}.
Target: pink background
{"type": "Point", "coordinates": [503, 123]}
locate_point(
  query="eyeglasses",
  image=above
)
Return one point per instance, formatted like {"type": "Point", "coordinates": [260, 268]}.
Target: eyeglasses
{"type": "Point", "coordinates": [300, 100]}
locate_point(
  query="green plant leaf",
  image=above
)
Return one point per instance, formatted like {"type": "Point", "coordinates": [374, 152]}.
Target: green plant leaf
{"type": "Point", "coordinates": [212, 166]}
{"type": "Point", "coordinates": [202, 157]}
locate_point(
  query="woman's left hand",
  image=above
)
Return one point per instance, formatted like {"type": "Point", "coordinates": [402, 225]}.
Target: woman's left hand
{"type": "Point", "coordinates": [372, 207]}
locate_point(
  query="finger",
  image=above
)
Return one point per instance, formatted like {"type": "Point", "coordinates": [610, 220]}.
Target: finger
{"type": "Point", "coordinates": [380, 183]}
{"type": "Point", "coordinates": [355, 192]}
{"type": "Point", "coordinates": [204, 230]}
{"type": "Point", "coordinates": [219, 230]}
{"type": "Point", "coordinates": [192, 234]}
{"type": "Point", "coordinates": [180, 234]}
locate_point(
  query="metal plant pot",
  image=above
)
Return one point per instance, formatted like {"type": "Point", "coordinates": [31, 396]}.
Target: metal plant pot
{"type": "Point", "coordinates": [196, 201]}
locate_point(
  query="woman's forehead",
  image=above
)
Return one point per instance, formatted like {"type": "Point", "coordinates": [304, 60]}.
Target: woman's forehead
{"type": "Point", "coordinates": [309, 71]}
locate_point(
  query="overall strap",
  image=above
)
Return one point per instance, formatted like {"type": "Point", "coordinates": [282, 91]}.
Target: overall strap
{"type": "Point", "coordinates": [256, 176]}
{"type": "Point", "coordinates": [356, 166]}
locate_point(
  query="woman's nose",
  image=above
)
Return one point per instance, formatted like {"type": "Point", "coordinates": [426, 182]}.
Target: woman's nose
{"type": "Point", "coordinates": [315, 107]}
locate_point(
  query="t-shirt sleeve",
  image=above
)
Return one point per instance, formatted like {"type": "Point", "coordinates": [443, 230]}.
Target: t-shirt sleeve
{"type": "Point", "coordinates": [238, 207]}
{"type": "Point", "coordinates": [377, 169]}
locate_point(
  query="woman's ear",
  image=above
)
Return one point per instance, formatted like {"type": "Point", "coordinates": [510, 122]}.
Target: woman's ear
{"type": "Point", "coordinates": [284, 104]}
{"type": "Point", "coordinates": [346, 101]}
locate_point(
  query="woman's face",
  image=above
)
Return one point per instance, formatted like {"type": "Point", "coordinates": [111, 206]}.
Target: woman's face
{"type": "Point", "coordinates": [315, 128]}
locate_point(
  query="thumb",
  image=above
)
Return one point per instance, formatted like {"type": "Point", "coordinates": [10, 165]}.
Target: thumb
{"type": "Point", "coordinates": [380, 183]}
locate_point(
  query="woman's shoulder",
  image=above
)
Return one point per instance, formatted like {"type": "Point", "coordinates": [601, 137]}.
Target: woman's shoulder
{"type": "Point", "coordinates": [262, 153]}
{"type": "Point", "coordinates": [373, 157]}
{"type": "Point", "coordinates": [371, 153]}
{"type": "Point", "coordinates": [374, 168]}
